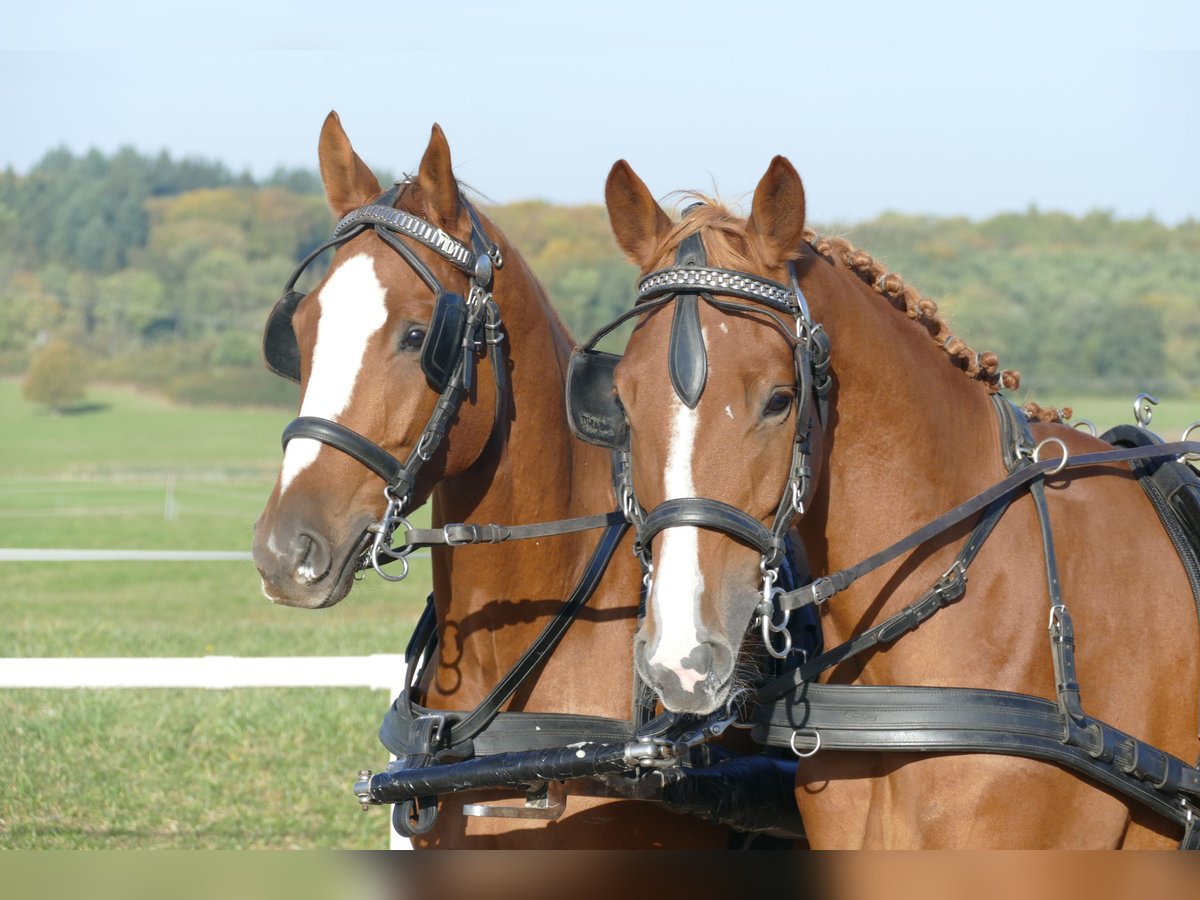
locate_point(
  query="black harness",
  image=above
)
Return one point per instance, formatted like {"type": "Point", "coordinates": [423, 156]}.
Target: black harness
{"type": "Point", "coordinates": [794, 711]}
{"type": "Point", "coordinates": [461, 330]}
{"type": "Point", "coordinates": [595, 415]}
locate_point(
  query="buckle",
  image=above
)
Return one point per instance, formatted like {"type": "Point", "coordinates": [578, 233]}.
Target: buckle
{"type": "Point", "coordinates": [459, 533]}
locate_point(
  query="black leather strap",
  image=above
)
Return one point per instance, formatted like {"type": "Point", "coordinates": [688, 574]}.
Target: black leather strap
{"type": "Point", "coordinates": [459, 728]}
{"type": "Point", "coordinates": [367, 452]}
{"type": "Point", "coordinates": [458, 533]}
{"type": "Point", "coordinates": [966, 720]}
{"type": "Point", "coordinates": [704, 512]}
{"type": "Point", "coordinates": [824, 588]}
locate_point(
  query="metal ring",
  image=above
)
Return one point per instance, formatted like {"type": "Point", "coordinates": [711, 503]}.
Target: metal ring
{"type": "Point", "coordinates": [807, 753]}
{"type": "Point", "coordinates": [1062, 463]}
{"type": "Point", "coordinates": [1186, 432]}
{"type": "Point", "coordinates": [1088, 424]}
{"type": "Point", "coordinates": [1141, 407]}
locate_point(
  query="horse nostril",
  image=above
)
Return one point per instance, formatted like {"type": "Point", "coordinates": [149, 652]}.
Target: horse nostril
{"type": "Point", "coordinates": [311, 558]}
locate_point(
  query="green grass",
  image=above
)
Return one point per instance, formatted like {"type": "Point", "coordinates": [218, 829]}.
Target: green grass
{"type": "Point", "coordinates": [168, 768]}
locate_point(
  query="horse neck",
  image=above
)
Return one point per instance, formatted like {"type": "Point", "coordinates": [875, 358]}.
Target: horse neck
{"type": "Point", "coordinates": [532, 468]}
{"type": "Point", "coordinates": [497, 597]}
{"type": "Point", "coordinates": [911, 436]}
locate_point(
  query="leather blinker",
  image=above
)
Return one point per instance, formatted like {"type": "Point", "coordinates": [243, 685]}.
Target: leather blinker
{"type": "Point", "coordinates": [687, 360]}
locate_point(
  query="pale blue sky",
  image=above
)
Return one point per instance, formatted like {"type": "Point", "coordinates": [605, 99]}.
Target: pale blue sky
{"type": "Point", "coordinates": [922, 106]}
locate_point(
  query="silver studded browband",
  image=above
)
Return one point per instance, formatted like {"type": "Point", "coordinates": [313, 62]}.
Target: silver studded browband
{"type": "Point", "coordinates": [718, 281]}
{"type": "Point", "coordinates": [418, 229]}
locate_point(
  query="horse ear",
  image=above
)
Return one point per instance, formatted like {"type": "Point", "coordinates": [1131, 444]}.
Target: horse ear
{"type": "Point", "coordinates": [438, 185]}
{"type": "Point", "coordinates": [777, 217]}
{"type": "Point", "coordinates": [638, 222]}
{"type": "Point", "coordinates": [349, 184]}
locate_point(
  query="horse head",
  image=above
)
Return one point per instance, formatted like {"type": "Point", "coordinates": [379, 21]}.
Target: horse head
{"type": "Point", "coordinates": [385, 361]}
{"type": "Point", "coordinates": [713, 387]}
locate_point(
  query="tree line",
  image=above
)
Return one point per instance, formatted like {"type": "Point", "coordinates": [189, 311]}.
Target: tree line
{"type": "Point", "coordinates": [160, 272]}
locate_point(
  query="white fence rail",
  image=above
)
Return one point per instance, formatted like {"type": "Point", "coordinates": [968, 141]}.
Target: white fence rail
{"type": "Point", "coordinates": [378, 672]}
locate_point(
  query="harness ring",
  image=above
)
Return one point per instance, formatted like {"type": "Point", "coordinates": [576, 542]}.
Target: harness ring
{"type": "Point", "coordinates": [806, 753]}
{"type": "Point", "coordinates": [1066, 454]}
{"type": "Point", "coordinates": [1186, 432]}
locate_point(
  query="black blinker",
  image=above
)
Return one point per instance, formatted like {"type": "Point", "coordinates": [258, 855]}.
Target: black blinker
{"type": "Point", "coordinates": [687, 360]}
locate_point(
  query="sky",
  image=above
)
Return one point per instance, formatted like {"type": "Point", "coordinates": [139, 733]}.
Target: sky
{"type": "Point", "coordinates": [924, 106]}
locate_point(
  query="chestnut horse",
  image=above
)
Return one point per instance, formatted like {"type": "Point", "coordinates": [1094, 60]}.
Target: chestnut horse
{"type": "Point", "coordinates": [905, 430]}
{"type": "Point", "coordinates": [507, 457]}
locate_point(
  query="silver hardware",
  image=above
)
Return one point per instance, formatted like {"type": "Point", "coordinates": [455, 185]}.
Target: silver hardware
{"type": "Point", "coordinates": [536, 805]}
{"type": "Point", "coordinates": [715, 280]}
{"type": "Point", "coordinates": [958, 565]}
{"type": "Point", "coordinates": [1088, 424]}
{"type": "Point", "coordinates": [383, 530]}
{"type": "Point", "coordinates": [424, 451]}
{"type": "Point", "coordinates": [805, 754]}
{"type": "Point", "coordinates": [1142, 411]}
{"type": "Point", "coordinates": [362, 790]}
{"type": "Point", "coordinates": [452, 542]}
{"type": "Point", "coordinates": [1186, 435]}
{"type": "Point", "coordinates": [483, 269]}
{"type": "Point", "coordinates": [1066, 454]}
{"type": "Point", "coordinates": [418, 229]}
{"type": "Point", "coordinates": [768, 627]}
{"type": "Point", "coordinates": [797, 499]}
{"type": "Point", "coordinates": [1054, 626]}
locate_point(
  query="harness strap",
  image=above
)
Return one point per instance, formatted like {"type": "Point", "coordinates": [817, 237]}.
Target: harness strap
{"type": "Point", "coordinates": [824, 588]}
{"type": "Point", "coordinates": [704, 512]}
{"type": "Point", "coordinates": [458, 729]}
{"type": "Point", "coordinates": [456, 534]}
{"type": "Point", "coordinates": [910, 719]}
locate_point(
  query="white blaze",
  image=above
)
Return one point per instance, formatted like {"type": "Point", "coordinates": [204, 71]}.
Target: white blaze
{"type": "Point", "coordinates": [678, 583]}
{"type": "Point", "coordinates": [353, 308]}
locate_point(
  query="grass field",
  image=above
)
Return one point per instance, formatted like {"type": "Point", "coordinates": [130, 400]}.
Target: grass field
{"type": "Point", "coordinates": [158, 768]}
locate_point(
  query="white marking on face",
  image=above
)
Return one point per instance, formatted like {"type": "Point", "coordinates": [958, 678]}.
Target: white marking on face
{"type": "Point", "coordinates": [724, 329]}
{"type": "Point", "coordinates": [678, 582]}
{"type": "Point", "coordinates": [729, 411]}
{"type": "Point", "coordinates": [353, 308]}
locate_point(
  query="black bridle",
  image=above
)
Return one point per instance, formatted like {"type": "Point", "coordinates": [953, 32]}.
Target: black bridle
{"type": "Point", "coordinates": [593, 412]}
{"type": "Point", "coordinates": [462, 329]}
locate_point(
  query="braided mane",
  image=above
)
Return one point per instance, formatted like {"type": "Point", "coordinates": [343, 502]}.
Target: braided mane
{"type": "Point", "coordinates": [982, 366]}
{"type": "Point", "coordinates": [725, 233]}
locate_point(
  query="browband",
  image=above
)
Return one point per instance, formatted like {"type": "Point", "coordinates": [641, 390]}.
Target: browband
{"type": "Point", "coordinates": [718, 281]}
{"type": "Point", "coordinates": [418, 229]}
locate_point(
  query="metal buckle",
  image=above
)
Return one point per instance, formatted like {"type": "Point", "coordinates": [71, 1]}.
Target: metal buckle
{"type": "Point", "coordinates": [472, 530]}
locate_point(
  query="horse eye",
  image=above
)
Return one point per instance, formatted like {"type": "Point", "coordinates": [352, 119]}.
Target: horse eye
{"type": "Point", "coordinates": [780, 401]}
{"type": "Point", "coordinates": [413, 339]}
